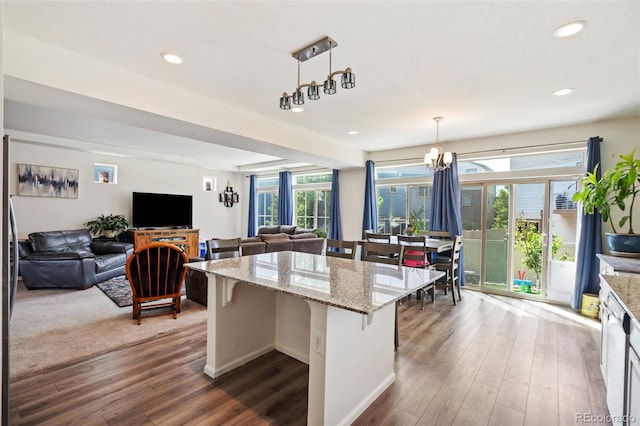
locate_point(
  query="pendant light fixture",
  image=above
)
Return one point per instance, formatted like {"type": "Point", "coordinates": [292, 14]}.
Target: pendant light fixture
{"type": "Point", "coordinates": [348, 80]}
{"type": "Point", "coordinates": [435, 159]}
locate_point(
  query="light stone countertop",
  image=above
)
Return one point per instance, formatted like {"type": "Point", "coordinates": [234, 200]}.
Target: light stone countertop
{"type": "Point", "coordinates": [627, 288]}
{"type": "Point", "coordinates": [358, 286]}
{"type": "Point", "coordinates": [621, 264]}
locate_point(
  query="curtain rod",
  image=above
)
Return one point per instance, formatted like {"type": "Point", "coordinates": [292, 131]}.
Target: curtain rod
{"type": "Point", "coordinates": [498, 150]}
{"type": "Point", "coordinates": [523, 147]}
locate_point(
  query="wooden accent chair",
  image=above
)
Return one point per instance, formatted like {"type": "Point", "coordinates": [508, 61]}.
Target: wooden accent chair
{"type": "Point", "coordinates": [341, 248]}
{"type": "Point", "coordinates": [223, 248]}
{"type": "Point", "coordinates": [156, 272]}
{"type": "Point", "coordinates": [452, 269]}
{"type": "Point", "coordinates": [385, 253]}
{"type": "Point", "coordinates": [415, 256]}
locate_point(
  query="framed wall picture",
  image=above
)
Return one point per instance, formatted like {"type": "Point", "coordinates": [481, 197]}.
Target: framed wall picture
{"type": "Point", "coordinates": [47, 181]}
{"type": "Point", "coordinates": [105, 173]}
{"type": "Point", "coordinates": [208, 183]}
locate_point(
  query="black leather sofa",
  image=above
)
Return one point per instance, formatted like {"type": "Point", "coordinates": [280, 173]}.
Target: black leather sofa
{"type": "Point", "coordinates": [70, 259]}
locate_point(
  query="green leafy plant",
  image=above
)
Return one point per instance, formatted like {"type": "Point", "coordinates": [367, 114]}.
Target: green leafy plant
{"type": "Point", "coordinates": [115, 223]}
{"type": "Point", "coordinates": [617, 187]}
{"type": "Point", "coordinates": [416, 221]}
{"type": "Point", "coordinates": [529, 243]}
{"type": "Point", "coordinates": [320, 233]}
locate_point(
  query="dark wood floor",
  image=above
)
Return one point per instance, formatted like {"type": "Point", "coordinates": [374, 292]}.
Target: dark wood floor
{"type": "Point", "coordinates": [489, 360]}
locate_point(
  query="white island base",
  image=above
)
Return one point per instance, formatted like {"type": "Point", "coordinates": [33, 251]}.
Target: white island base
{"type": "Point", "coordinates": [350, 355]}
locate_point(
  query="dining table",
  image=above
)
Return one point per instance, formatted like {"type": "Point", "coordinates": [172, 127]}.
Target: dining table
{"type": "Point", "coordinates": [337, 315]}
{"type": "Point", "coordinates": [433, 245]}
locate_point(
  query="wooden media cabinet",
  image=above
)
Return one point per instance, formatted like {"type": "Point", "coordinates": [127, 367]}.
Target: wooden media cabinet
{"type": "Point", "coordinates": [187, 239]}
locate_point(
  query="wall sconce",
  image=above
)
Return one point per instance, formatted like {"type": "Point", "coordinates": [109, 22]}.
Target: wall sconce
{"type": "Point", "coordinates": [228, 197]}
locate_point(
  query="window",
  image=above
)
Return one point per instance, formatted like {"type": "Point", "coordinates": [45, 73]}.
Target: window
{"type": "Point", "coordinates": [267, 208]}
{"type": "Point", "coordinates": [312, 200]}
{"type": "Point", "coordinates": [313, 208]}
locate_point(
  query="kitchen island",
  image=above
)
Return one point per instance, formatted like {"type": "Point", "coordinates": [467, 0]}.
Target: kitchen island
{"type": "Point", "coordinates": [337, 315]}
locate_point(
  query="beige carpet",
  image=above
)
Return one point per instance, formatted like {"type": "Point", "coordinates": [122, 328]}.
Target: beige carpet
{"type": "Point", "coordinates": [53, 327]}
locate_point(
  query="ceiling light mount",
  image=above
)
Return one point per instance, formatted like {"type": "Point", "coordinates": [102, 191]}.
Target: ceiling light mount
{"type": "Point", "coordinates": [569, 29]}
{"type": "Point", "coordinates": [312, 50]}
{"type": "Point", "coordinates": [435, 159]}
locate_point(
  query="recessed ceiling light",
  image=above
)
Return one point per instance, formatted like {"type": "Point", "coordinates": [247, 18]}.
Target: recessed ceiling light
{"type": "Point", "coordinates": [569, 29]}
{"type": "Point", "coordinates": [172, 58]}
{"type": "Point", "coordinates": [563, 92]}
{"type": "Point", "coordinates": [353, 132]}
{"type": "Point", "coordinates": [297, 109]}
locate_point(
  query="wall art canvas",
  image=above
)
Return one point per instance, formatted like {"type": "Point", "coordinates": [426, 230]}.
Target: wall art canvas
{"type": "Point", "coordinates": [45, 181]}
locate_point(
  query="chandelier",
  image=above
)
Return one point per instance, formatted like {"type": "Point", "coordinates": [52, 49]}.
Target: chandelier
{"type": "Point", "coordinates": [313, 88]}
{"type": "Point", "coordinates": [435, 159]}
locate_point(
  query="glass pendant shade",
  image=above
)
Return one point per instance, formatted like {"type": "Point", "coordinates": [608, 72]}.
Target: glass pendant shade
{"type": "Point", "coordinates": [330, 87]}
{"type": "Point", "coordinates": [298, 97]}
{"type": "Point", "coordinates": [348, 79]}
{"type": "Point", "coordinates": [448, 158]}
{"type": "Point", "coordinates": [285, 101]}
{"type": "Point", "coordinates": [434, 153]}
{"type": "Point", "coordinates": [313, 92]}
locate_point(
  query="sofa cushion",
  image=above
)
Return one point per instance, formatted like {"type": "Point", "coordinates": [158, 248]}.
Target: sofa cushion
{"type": "Point", "coordinates": [249, 249]}
{"type": "Point", "coordinates": [61, 241]}
{"type": "Point", "coordinates": [303, 236]}
{"type": "Point", "coordinates": [275, 229]}
{"type": "Point", "coordinates": [107, 262]}
{"type": "Point", "coordinates": [288, 229]}
{"type": "Point", "coordinates": [251, 240]}
{"type": "Point", "coordinates": [306, 231]}
{"type": "Point", "coordinates": [274, 237]}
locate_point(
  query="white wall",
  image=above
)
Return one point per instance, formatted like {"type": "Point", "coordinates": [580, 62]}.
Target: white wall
{"type": "Point", "coordinates": [46, 214]}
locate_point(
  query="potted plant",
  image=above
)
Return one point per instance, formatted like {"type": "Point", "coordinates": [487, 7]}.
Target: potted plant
{"type": "Point", "coordinates": [416, 223]}
{"type": "Point", "coordinates": [110, 226]}
{"type": "Point", "coordinates": [617, 188]}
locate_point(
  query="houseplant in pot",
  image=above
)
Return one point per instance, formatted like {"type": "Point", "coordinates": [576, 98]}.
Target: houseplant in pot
{"type": "Point", "coordinates": [617, 188]}
{"type": "Point", "coordinates": [110, 225]}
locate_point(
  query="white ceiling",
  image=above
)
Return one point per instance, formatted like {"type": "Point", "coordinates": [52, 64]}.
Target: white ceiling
{"type": "Point", "coordinates": [489, 68]}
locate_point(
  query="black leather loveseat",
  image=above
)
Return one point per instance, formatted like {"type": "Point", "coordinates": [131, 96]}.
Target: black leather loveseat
{"type": "Point", "coordinates": [70, 259]}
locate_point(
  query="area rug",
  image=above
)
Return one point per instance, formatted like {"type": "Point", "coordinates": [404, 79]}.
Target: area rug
{"type": "Point", "coordinates": [119, 290]}
{"type": "Point", "coordinates": [57, 327]}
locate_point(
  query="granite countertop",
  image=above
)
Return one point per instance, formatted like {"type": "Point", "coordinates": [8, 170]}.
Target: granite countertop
{"type": "Point", "coordinates": [622, 264]}
{"type": "Point", "coordinates": [627, 288]}
{"type": "Point", "coordinates": [358, 286]}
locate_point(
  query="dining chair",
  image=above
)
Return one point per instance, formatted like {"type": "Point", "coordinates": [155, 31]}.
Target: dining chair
{"type": "Point", "coordinates": [382, 253]}
{"type": "Point", "coordinates": [156, 272]}
{"type": "Point", "coordinates": [373, 237]}
{"type": "Point", "coordinates": [452, 269]}
{"type": "Point", "coordinates": [385, 253]}
{"type": "Point", "coordinates": [415, 256]}
{"type": "Point", "coordinates": [220, 248]}
{"type": "Point", "coordinates": [436, 234]}
{"type": "Point", "coordinates": [341, 248]}
{"type": "Point", "coordinates": [196, 282]}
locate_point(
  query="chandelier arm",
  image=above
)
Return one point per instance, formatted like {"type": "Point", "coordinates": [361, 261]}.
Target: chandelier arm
{"type": "Point", "coordinates": [336, 73]}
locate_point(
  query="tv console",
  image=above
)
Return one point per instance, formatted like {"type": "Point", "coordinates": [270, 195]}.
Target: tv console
{"type": "Point", "coordinates": [187, 239]}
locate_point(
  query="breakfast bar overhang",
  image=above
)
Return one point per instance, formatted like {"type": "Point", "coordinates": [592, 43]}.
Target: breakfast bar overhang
{"type": "Point", "coordinates": [337, 315]}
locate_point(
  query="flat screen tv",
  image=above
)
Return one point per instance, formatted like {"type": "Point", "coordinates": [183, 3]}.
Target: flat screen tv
{"type": "Point", "coordinates": [151, 210]}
